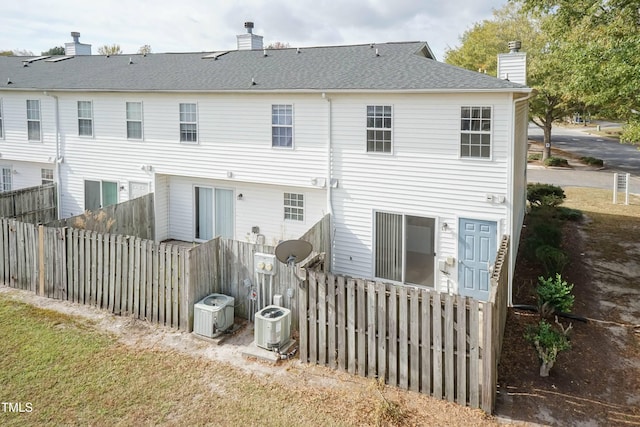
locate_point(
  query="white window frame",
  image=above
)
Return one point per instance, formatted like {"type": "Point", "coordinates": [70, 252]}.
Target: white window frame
{"type": "Point", "coordinates": [31, 119]}
{"type": "Point", "coordinates": [377, 121]}
{"type": "Point", "coordinates": [134, 120]}
{"type": "Point", "coordinates": [101, 181]}
{"type": "Point", "coordinates": [183, 115]}
{"type": "Point", "coordinates": [471, 127]}
{"type": "Point", "coordinates": [293, 207]}
{"type": "Point", "coordinates": [82, 118]}
{"type": "Point", "coordinates": [47, 176]}
{"type": "Point", "coordinates": [282, 117]}
{"type": "Point", "coordinates": [1, 121]}
{"type": "Point", "coordinates": [6, 184]}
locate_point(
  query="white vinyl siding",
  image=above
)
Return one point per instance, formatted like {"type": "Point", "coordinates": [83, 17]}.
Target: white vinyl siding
{"type": "Point", "coordinates": [475, 132]}
{"type": "Point", "coordinates": [134, 120]}
{"type": "Point", "coordinates": [1, 123]}
{"type": "Point", "coordinates": [85, 118]}
{"type": "Point", "coordinates": [188, 123]}
{"type": "Point", "coordinates": [294, 206]}
{"type": "Point", "coordinates": [379, 128]}
{"type": "Point", "coordinates": [33, 120]}
{"type": "Point", "coordinates": [6, 179]}
{"type": "Point", "coordinates": [282, 125]}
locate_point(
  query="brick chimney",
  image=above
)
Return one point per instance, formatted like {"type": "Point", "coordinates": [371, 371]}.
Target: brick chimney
{"type": "Point", "coordinates": [75, 47]}
{"type": "Point", "coordinates": [249, 41]}
{"type": "Point", "coordinates": [512, 66]}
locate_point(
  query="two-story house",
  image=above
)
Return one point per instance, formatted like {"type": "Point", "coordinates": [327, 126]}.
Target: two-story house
{"type": "Point", "coordinates": [420, 164]}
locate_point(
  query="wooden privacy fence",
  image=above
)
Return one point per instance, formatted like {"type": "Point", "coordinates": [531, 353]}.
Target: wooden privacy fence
{"type": "Point", "coordinates": [34, 204]}
{"type": "Point", "coordinates": [125, 275]}
{"type": "Point", "coordinates": [443, 345]}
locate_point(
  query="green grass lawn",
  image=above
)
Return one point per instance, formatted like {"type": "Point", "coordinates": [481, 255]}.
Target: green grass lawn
{"type": "Point", "coordinates": [72, 373]}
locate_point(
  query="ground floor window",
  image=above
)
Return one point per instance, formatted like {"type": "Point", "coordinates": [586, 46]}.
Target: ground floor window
{"type": "Point", "coordinates": [99, 194]}
{"type": "Point", "coordinates": [6, 179]}
{"type": "Point", "coordinates": [47, 176]}
{"type": "Point", "coordinates": [404, 248]}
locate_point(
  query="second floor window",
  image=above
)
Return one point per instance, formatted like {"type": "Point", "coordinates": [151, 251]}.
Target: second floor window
{"type": "Point", "coordinates": [188, 123]}
{"type": "Point", "coordinates": [134, 120]}
{"type": "Point", "coordinates": [379, 128]}
{"type": "Point", "coordinates": [33, 120]}
{"type": "Point", "coordinates": [475, 132]}
{"type": "Point", "coordinates": [85, 118]}
{"type": "Point", "coordinates": [282, 125]}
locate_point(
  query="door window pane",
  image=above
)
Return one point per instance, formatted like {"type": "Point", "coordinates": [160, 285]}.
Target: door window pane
{"type": "Point", "coordinates": [388, 262]}
{"type": "Point", "coordinates": [224, 213]}
{"type": "Point", "coordinates": [419, 250]}
{"type": "Point", "coordinates": [204, 213]}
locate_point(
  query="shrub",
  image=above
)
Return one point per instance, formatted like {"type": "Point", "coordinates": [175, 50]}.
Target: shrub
{"type": "Point", "coordinates": [545, 195]}
{"type": "Point", "coordinates": [569, 214]}
{"type": "Point", "coordinates": [548, 233]}
{"type": "Point", "coordinates": [533, 157]}
{"type": "Point", "coordinates": [555, 293]}
{"type": "Point", "coordinates": [592, 161]}
{"type": "Point", "coordinates": [548, 342]}
{"type": "Point", "coordinates": [552, 259]}
{"type": "Point", "coordinates": [556, 161]}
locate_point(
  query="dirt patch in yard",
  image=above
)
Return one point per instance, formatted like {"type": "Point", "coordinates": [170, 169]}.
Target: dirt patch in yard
{"type": "Point", "coordinates": [597, 381]}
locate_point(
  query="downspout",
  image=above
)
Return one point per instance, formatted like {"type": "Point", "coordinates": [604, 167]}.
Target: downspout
{"type": "Point", "coordinates": [329, 183]}
{"type": "Point", "coordinates": [57, 159]}
{"type": "Point", "coordinates": [512, 256]}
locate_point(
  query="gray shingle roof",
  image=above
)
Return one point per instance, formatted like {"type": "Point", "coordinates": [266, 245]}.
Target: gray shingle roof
{"type": "Point", "coordinates": [399, 66]}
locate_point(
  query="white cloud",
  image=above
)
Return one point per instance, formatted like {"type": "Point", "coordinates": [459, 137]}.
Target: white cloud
{"type": "Point", "coordinates": [199, 25]}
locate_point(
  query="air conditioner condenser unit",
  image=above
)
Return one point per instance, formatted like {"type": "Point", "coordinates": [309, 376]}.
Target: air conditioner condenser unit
{"type": "Point", "coordinates": [213, 315]}
{"type": "Point", "coordinates": [272, 327]}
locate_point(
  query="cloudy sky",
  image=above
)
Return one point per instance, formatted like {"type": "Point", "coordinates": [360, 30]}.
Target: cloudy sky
{"type": "Point", "coordinates": [208, 25]}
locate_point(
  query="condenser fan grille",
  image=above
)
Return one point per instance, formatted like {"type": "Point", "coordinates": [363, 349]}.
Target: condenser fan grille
{"type": "Point", "coordinates": [272, 313]}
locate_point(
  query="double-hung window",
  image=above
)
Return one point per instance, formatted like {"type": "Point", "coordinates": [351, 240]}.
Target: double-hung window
{"type": "Point", "coordinates": [1, 122]}
{"type": "Point", "coordinates": [85, 118]}
{"type": "Point", "coordinates": [188, 123]}
{"type": "Point", "coordinates": [379, 128]}
{"type": "Point", "coordinates": [134, 120]}
{"type": "Point", "coordinates": [33, 120]}
{"type": "Point", "coordinates": [6, 179]}
{"type": "Point", "coordinates": [47, 176]}
{"type": "Point", "coordinates": [282, 125]}
{"type": "Point", "coordinates": [294, 206]}
{"type": "Point", "coordinates": [475, 132]}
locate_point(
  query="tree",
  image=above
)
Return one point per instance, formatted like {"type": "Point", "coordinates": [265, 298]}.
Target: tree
{"type": "Point", "coordinates": [278, 45]}
{"type": "Point", "coordinates": [545, 72]}
{"type": "Point", "coordinates": [600, 42]}
{"type": "Point", "coordinates": [58, 50]}
{"type": "Point", "coordinates": [114, 49]}
{"type": "Point", "coordinates": [144, 49]}
{"type": "Point", "coordinates": [22, 52]}
{"type": "Point", "coordinates": [6, 53]}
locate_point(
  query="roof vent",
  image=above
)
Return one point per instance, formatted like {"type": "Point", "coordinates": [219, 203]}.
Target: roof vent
{"type": "Point", "coordinates": [9, 80]}
{"type": "Point", "coordinates": [130, 61]}
{"type": "Point", "coordinates": [75, 47]}
{"type": "Point", "coordinates": [514, 46]}
{"type": "Point", "coordinates": [248, 40]}
{"type": "Point", "coordinates": [76, 36]}
{"type": "Point", "coordinates": [249, 27]}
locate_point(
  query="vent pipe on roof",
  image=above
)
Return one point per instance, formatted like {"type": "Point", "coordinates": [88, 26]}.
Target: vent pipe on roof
{"type": "Point", "coordinates": [514, 46]}
{"type": "Point", "coordinates": [249, 26]}
{"type": "Point", "coordinates": [76, 36]}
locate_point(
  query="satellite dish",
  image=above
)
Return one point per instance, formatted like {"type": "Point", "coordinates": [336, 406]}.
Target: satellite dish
{"type": "Point", "coordinates": [292, 252]}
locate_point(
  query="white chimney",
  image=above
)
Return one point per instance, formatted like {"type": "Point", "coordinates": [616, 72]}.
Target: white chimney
{"type": "Point", "coordinates": [249, 41]}
{"type": "Point", "coordinates": [512, 66]}
{"type": "Point", "coordinates": [75, 47]}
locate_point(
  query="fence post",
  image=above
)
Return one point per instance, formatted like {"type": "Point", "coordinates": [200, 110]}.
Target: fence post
{"type": "Point", "coordinates": [488, 360]}
{"type": "Point", "coordinates": [41, 259]}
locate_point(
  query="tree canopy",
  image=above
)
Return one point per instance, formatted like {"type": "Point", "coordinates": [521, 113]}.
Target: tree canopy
{"type": "Point", "coordinates": [113, 49]}
{"type": "Point", "coordinates": [57, 50]}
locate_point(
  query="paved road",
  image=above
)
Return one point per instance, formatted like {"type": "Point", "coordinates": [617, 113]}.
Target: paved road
{"type": "Point", "coordinates": [617, 157]}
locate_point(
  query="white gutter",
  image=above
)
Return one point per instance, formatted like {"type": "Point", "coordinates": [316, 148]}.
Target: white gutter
{"type": "Point", "coordinates": [512, 256]}
{"type": "Point", "coordinates": [329, 179]}
{"type": "Point", "coordinates": [57, 159]}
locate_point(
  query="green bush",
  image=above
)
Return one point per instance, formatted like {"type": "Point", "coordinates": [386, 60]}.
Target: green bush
{"type": "Point", "coordinates": [569, 214]}
{"type": "Point", "coordinates": [592, 161]}
{"type": "Point", "coordinates": [545, 195]}
{"type": "Point", "coordinates": [533, 157]}
{"type": "Point", "coordinates": [555, 293]}
{"type": "Point", "coordinates": [552, 259]}
{"type": "Point", "coordinates": [548, 233]}
{"type": "Point", "coordinates": [548, 342]}
{"type": "Point", "coordinates": [556, 161]}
